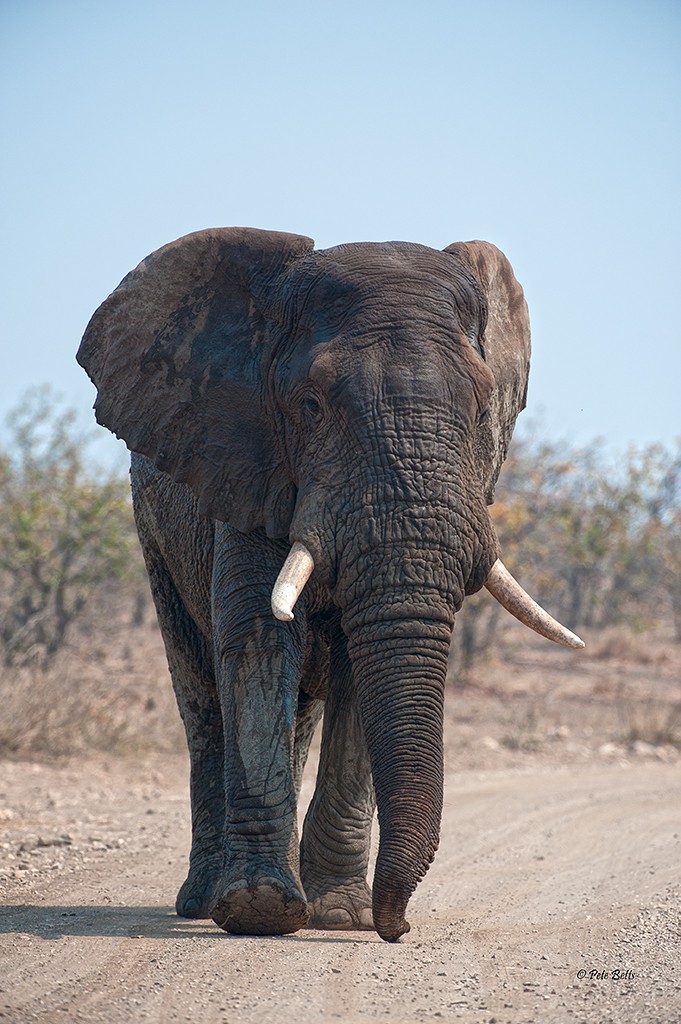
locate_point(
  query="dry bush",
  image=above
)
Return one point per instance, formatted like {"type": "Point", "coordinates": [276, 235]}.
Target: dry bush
{"type": "Point", "coordinates": [650, 721]}
{"type": "Point", "coordinates": [82, 664]}
{"type": "Point", "coordinates": [109, 690]}
{"type": "Point", "coordinates": [66, 531]}
{"type": "Point", "coordinates": [619, 643]}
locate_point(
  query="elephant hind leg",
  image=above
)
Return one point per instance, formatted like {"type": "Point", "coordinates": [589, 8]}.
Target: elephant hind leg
{"type": "Point", "coordinates": [310, 710]}
{"type": "Point", "coordinates": [314, 685]}
{"type": "Point", "coordinates": [190, 662]}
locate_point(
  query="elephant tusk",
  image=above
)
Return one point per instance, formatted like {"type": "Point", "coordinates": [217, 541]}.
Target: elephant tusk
{"type": "Point", "coordinates": [294, 574]}
{"type": "Point", "coordinates": [511, 595]}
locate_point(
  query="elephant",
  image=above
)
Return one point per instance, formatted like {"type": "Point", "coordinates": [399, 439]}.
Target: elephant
{"type": "Point", "coordinates": [318, 429]}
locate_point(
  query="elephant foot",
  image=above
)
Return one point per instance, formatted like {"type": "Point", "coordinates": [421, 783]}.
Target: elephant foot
{"type": "Point", "coordinates": [195, 894]}
{"type": "Point", "coordinates": [340, 907]}
{"type": "Point", "coordinates": [263, 906]}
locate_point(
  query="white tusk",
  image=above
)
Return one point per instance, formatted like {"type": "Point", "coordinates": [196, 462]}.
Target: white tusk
{"type": "Point", "coordinates": [511, 595]}
{"type": "Point", "coordinates": [294, 574]}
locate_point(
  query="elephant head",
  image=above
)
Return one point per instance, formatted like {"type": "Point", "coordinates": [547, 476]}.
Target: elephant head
{"type": "Point", "coordinates": [358, 401]}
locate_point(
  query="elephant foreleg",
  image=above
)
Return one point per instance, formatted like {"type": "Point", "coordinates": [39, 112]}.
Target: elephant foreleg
{"type": "Point", "coordinates": [337, 830]}
{"type": "Point", "coordinates": [258, 664]}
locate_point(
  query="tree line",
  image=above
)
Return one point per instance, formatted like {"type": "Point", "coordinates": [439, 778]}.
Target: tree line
{"type": "Point", "coordinates": [596, 540]}
{"type": "Point", "coordinates": [68, 546]}
{"type": "Point", "coordinates": [593, 536]}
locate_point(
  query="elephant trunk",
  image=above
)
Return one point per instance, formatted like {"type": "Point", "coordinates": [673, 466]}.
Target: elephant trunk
{"type": "Point", "coordinates": [400, 668]}
{"type": "Point", "coordinates": [398, 570]}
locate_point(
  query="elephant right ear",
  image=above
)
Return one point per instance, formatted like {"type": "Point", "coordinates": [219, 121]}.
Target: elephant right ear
{"type": "Point", "coordinates": [176, 354]}
{"type": "Point", "coordinates": [505, 347]}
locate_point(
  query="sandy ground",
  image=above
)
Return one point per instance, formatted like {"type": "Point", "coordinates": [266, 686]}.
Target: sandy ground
{"type": "Point", "coordinates": [554, 897]}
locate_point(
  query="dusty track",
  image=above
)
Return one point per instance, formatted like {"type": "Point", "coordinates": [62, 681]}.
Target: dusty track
{"type": "Point", "coordinates": [543, 872]}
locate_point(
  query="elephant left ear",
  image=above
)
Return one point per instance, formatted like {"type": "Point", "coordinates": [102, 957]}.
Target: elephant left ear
{"type": "Point", "coordinates": [179, 354]}
{"type": "Point", "coordinates": [505, 347]}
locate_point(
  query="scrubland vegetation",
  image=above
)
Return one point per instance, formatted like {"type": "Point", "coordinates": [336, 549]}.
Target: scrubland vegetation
{"type": "Point", "coordinates": [596, 539]}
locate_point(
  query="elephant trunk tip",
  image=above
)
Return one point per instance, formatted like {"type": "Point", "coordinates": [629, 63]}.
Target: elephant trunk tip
{"type": "Point", "coordinates": [389, 905]}
{"type": "Point", "coordinates": [394, 931]}
{"type": "Point", "coordinates": [390, 922]}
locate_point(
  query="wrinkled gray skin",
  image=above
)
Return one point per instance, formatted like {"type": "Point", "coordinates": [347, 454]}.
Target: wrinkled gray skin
{"type": "Point", "coordinates": [360, 400]}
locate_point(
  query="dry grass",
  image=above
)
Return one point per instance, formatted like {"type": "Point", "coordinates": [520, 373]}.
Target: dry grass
{"type": "Point", "coordinates": [620, 643]}
{"type": "Point", "coordinates": [111, 691]}
{"type": "Point", "coordinates": [650, 721]}
{"type": "Point", "coordinates": [526, 698]}
{"type": "Point", "coordinates": [529, 700]}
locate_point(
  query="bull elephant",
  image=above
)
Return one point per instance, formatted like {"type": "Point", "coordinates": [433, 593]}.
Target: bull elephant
{"type": "Point", "coordinates": [324, 429]}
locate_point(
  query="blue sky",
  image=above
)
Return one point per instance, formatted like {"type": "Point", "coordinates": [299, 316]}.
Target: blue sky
{"type": "Point", "coordinates": [549, 128]}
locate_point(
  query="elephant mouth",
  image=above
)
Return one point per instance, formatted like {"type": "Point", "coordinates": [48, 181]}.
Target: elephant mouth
{"type": "Point", "coordinates": [503, 587]}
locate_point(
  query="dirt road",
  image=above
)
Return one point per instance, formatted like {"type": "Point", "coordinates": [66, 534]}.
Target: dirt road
{"type": "Point", "coordinates": [544, 876]}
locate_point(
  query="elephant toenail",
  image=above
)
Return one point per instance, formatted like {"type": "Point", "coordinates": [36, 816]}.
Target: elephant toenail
{"type": "Point", "coordinates": [337, 918]}
{"type": "Point", "coordinates": [366, 918]}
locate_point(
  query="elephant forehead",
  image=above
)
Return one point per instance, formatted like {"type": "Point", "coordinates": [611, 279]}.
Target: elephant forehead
{"type": "Point", "coordinates": [374, 283]}
{"type": "Point", "coordinates": [368, 312]}
{"type": "Point", "coordinates": [423, 372]}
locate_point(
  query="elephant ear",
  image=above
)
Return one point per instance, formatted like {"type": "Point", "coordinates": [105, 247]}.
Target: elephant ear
{"type": "Point", "coordinates": [176, 354]}
{"type": "Point", "coordinates": [505, 347]}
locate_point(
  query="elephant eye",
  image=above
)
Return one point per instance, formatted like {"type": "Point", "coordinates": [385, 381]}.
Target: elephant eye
{"type": "Point", "coordinates": [312, 407]}
{"type": "Point", "coordinates": [483, 416]}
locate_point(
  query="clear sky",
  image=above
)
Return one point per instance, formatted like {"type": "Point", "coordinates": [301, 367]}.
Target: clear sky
{"type": "Point", "coordinates": [547, 127]}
